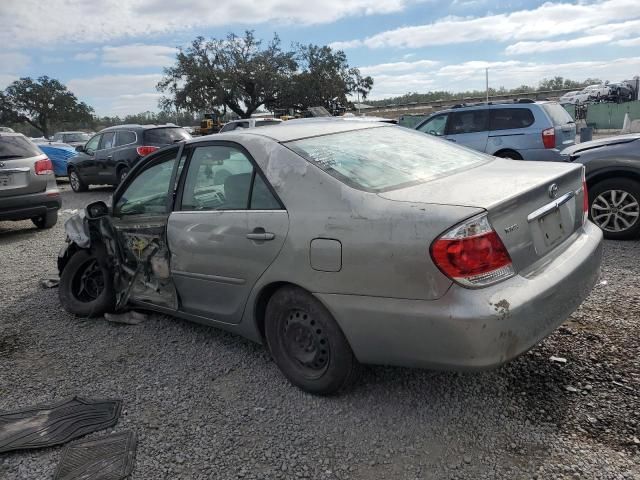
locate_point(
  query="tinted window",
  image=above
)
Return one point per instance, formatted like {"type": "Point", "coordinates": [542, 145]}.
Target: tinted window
{"type": "Point", "coordinates": [16, 146]}
{"type": "Point", "coordinates": [435, 125]}
{"type": "Point", "coordinates": [262, 123]}
{"type": "Point", "coordinates": [92, 145]}
{"type": "Point", "coordinates": [165, 135]}
{"type": "Point", "coordinates": [557, 113]}
{"type": "Point", "coordinates": [148, 192]}
{"type": "Point", "coordinates": [75, 137]}
{"type": "Point", "coordinates": [468, 121]}
{"type": "Point", "coordinates": [108, 139]}
{"type": "Point", "coordinates": [384, 158]}
{"type": "Point", "coordinates": [510, 118]}
{"type": "Point", "coordinates": [219, 178]}
{"type": "Point", "coordinates": [125, 137]}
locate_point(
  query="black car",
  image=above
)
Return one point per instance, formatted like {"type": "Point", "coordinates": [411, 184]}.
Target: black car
{"type": "Point", "coordinates": [109, 155]}
{"type": "Point", "coordinates": [613, 181]}
{"type": "Point", "coordinates": [620, 92]}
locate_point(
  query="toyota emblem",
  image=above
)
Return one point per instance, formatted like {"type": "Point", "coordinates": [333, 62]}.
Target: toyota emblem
{"type": "Point", "coordinates": [553, 190]}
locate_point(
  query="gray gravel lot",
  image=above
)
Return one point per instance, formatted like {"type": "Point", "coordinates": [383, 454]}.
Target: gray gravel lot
{"type": "Point", "coordinates": [207, 404]}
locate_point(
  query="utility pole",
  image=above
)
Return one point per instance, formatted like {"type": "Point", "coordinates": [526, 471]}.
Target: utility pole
{"type": "Point", "coordinates": [486, 72]}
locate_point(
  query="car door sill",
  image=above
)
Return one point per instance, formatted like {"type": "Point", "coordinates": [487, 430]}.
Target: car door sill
{"type": "Point", "coordinates": [191, 317]}
{"type": "Point", "coordinates": [210, 278]}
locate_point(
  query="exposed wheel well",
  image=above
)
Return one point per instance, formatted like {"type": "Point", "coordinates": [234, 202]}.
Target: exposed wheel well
{"type": "Point", "coordinates": [261, 304]}
{"type": "Point", "coordinates": [508, 153]}
{"type": "Point", "coordinates": [612, 174]}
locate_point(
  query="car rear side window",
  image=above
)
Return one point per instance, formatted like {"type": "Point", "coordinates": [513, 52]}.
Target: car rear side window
{"type": "Point", "coordinates": [17, 146]}
{"type": "Point", "coordinates": [468, 121]}
{"type": "Point", "coordinates": [557, 113]}
{"type": "Point", "coordinates": [125, 137]}
{"type": "Point", "coordinates": [378, 159]}
{"type": "Point", "coordinates": [511, 118]}
{"type": "Point", "coordinates": [165, 135]}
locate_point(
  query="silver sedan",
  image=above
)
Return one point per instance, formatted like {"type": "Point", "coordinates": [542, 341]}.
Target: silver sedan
{"type": "Point", "coordinates": [339, 242]}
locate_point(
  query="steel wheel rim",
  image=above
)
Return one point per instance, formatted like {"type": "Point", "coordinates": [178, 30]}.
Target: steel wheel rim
{"type": "Point", "coordinates": [306, 343]}
{"type": "Point", "coordinates": [615, 211]}
{"type": "Point", "coordinates": [74, 180]}
{"type": "Point", "coordinates": [88, 282]}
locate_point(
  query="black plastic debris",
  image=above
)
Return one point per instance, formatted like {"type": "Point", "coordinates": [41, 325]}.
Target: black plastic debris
{"type": "Point", "coordinates": [45, 426]}
{"type": "Point", "coordinates": [104, 458]}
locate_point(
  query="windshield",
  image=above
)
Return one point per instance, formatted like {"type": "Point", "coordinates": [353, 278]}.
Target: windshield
{"type": "Point", "coordinates": [75, 137]}
{"type": "Point", "coordinates": [385, 158]}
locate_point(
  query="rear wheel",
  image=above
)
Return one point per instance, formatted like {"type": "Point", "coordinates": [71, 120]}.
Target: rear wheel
{"type": "Point", "coordinates": [307, 343]}
{"type": "Point", "coordinates": [86, 285]}
{"type": "Point", "coordinates": [513, 155]}
{"type": "Point", "coordinates": [123, 172]}
{"type": "Point", "coordinates": [77, 184]}
{"type": "Point", "coordinates": [614, 206]}
{"type": "Point", "coordinates": [48, 220]}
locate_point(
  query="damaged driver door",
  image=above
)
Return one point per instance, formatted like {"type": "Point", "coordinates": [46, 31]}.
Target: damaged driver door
{"type": "Point", "coordinates": [140, 212]}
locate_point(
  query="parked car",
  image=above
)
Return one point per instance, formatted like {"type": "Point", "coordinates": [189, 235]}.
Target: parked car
{"type": "Point", "coordinates": [342, 242]}
{"type": "Point", "coordinates": [108, 156]}
{"type": "Point", "coordinates": [27, 184]}
{"type": "Point", "coordinates": [620, 92]}
{"type": "Point", "coordinates": [518, 130]}
{"type": "Point", "coordinates": [249, 123]}
{"type": "Point", "coordinates": [71, 138]}
{"type": "Point", "coordinates": [596, 92]}
{"type": "Point", "coordinates": [613, 177]}
{"type": "Point", "coordinates": [570, 98]}
{"type": "Point", "coordinates": [59, 154]}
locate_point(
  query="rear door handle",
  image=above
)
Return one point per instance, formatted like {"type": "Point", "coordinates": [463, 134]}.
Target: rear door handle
{"type": "Point", "coordinates": [260, 235]}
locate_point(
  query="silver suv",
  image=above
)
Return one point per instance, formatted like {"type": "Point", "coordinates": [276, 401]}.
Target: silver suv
{"type": "Point", "coordinates": [28, 187]}
{"type": "Point", "coordinates": [521, 130]}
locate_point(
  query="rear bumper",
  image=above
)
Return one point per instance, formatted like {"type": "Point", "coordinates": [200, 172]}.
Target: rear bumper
{"type": "Point", "coordinates": [472, 329]}
{"type": "Point", "coordinates": [22, 207]}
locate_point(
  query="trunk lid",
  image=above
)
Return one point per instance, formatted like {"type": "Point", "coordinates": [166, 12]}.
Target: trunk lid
{"type": "Point", "coordinates": [18, 156]}
{"type": "Point", "coordinates": [530, 215]}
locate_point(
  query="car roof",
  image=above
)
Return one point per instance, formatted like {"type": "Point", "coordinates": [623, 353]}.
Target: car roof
{"type": "Point", "coordinates": [69, 131]}
{"type": "Point", "coordinates": [289, 130]}
{"type": "Point", "coordinates": [137, 126]}
{"type": "Point", "coordinates": [11, 134]}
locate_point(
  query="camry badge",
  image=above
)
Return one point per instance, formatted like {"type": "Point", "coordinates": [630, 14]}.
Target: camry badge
{"type": "Point", "coordinates": [553, 190]}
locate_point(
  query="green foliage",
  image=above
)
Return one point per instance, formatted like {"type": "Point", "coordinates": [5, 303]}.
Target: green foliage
{"type": "Point", "coordinates": [242, 74]}
{"type": "Point", "coordinates": [43, 103]}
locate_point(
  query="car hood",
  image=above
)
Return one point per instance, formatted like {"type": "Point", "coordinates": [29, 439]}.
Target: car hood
{"type": "Point", "coordinates": [601, 143]}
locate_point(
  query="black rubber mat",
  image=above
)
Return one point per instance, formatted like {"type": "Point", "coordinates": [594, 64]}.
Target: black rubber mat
{"type": "Point", "coordinates": [44, 426]}
{"type": "Point", "coordinates": [104, 458]}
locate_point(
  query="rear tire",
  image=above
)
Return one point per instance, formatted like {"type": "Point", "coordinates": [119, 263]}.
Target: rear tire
{"type": "Point", "coordinates": [307, 344]}
{"type": "Point", "coordinates": [77, 184]}
{"type": "Point", "coordinates": [123, 172]}
{"type": "Point", "coordinates": [513, 155]}
{"type": "Point", "coordinates": [48, 220]}
{"type": "Point", "coordinates": [614, 206]}
{"type": "Point", "coordinates": [86, 285]}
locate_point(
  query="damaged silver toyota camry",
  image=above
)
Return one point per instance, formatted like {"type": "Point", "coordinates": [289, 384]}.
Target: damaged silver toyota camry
{"type": "Point", "coordinates": [338, 243]}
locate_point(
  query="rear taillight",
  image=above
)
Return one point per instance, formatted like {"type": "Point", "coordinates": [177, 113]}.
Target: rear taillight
{"type": "Point", "coordinates": [146, 150]}
{"type": "Point", "coordinates": [472, 254]}
{"type": "Point", "coordinates": [585, 198]}
{"type": "Point", "coordinates": [44, 167]}
{"type": "Point", "coordinates": [549, 138]}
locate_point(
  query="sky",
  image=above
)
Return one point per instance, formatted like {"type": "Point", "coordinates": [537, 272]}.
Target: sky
{"type": "Point", "coordinates": [111, 53]}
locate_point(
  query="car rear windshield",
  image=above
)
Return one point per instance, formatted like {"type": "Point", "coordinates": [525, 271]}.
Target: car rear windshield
{"type": "Point", "coordinates": [17, 146]}
{"type": "Point", "coordinates": [165, 135]}
{"type": "Point", "coordinates": [75, 137]}
{"type": "Point", "coordinates": [264, 123]}
{"type": "Point", "coordinates": [557, 113]}
{"type": "Point", "coordinates": [382, 158]}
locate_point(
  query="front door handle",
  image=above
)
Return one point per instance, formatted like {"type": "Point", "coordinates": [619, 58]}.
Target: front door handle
{"type": "Point", "coordinates": [109, 157]}
{"type": "Point", "coordinates": [260, 235]}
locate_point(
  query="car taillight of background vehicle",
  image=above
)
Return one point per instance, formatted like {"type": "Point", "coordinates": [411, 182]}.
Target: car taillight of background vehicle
{"type": "Point", "coordinates": [472, 254]}
{"type": "Point", "coordinates": [44, 167]}
{"type": "Point", "coordinates": [585, 197]}
{"type": "Point", "coordinates": [549, 138]}
{"type": "Point", "coordinates": [146, 150]}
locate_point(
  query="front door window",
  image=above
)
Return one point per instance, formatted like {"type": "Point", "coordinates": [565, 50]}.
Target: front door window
{"type": "Point", "coordinates": [92, 145]}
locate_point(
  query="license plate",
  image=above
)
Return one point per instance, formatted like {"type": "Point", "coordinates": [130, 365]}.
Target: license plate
{"type": "Point", "coordinates": [6, 180]}
{"type": "Point", "coordinates": [552, 228]}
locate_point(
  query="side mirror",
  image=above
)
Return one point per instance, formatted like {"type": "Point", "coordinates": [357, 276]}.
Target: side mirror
{"type": "Point", "coordinates": [96, 210]}
{"type": "Point", "coordinates": [80, 148]}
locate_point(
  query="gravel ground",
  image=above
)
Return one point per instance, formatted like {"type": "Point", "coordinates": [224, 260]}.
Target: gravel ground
{"type": "Point", "coordinates": [207, 404]}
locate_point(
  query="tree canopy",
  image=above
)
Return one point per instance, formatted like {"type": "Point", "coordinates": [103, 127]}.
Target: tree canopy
{"type": "Point", "coordinates": [42, 103]}
{"type": "Point", "coordinates": [243, 74]}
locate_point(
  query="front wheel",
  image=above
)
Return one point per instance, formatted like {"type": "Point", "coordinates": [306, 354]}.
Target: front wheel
{"type": "Point", "coordinates": [77, 184]}
{"type": "Point", "coordinates": [307, 344]}
{"type": "Point", "coordinates": [86, 285]}
{"type": "Point", "coordinates": [614, 206]}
